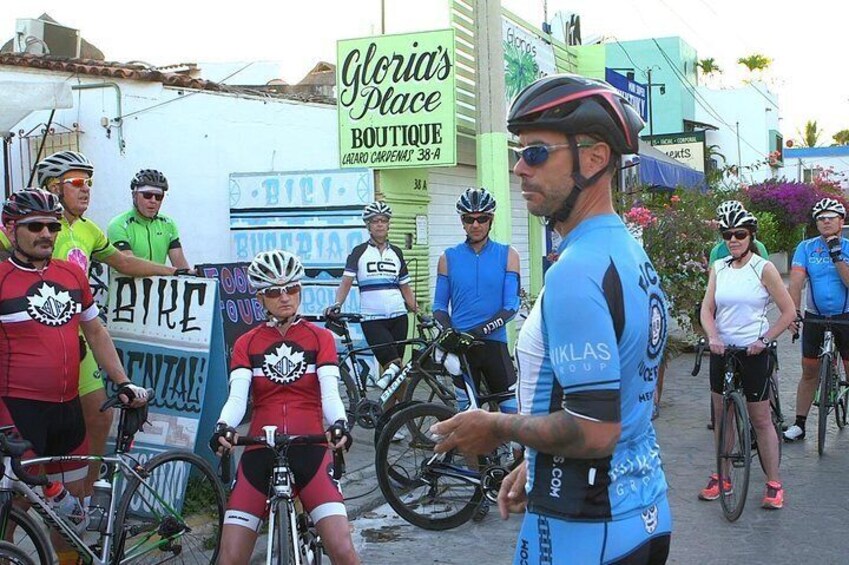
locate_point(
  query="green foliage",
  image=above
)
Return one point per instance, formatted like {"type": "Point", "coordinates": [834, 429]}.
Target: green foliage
{"type": "Point", "coordinates": [812, 134]}
{"type": "Point", "coordinates": [841, 137]}
{"type": "Point", "coordinates": [769, 232]}
{"type": "Point", "coordinates": [708, 66]}
{"type": "Point", "coordinates": [755, 62]}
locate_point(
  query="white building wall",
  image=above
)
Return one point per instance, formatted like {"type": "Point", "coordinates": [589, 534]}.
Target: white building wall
{"type": "Point", "coordinates": [753, 107]}
{"type": "Point", "coordinates": [196, 138]}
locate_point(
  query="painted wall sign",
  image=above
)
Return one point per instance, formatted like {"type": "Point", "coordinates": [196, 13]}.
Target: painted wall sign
{"type": "Point", "coordinates": [687, 147]}
{"type": "Point", "coordinates": [168, 334]}
{"type": "Point", "coordinates": [310, 189]}
{"type": "Point", "coordinates": [396, 100]}
{"type": "Point", "coordinates": [527, 57]}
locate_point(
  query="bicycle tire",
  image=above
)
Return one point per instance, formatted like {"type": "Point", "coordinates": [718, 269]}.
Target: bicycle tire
{"type": "Point", "coordinates": [10, 554]}
{"type": "Point", "coordinates": [824, 403]}
{"type": "Point", "coordinates": [351, 397]}
{"type": "Point", "coordinates": [425, 387]}
{"type": "Point", "coordinates": [777, 421]}
{"type": "Point", "coordinates": [420, 493]}
{"type": "Point", "coordinates": [842, 404]}
{"type": "Point", "coordinates": [733, 452]}
{"type": "Point", "coordinates": [29, 536]}
{"type": "Point", "coordinates": [195, 523]}
{"type": "Point", "coordinates": [281, 536]}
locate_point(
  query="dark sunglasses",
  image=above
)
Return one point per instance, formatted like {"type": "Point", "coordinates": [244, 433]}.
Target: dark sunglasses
{"type": "Point", "coordinates": [149, 195]}
{"type": "Point", "coordinates": [79, 182]}
{"type": "Point", "coordinates": [278, 291]}
{"type": "Point", "coordinates": [37, 227]}
{"type": "Point", "coordinates": [535, 155]}
{"type": "Point", "coordinates": [482, 220]}
{"type": "Point", "coordinates": [738, 235]}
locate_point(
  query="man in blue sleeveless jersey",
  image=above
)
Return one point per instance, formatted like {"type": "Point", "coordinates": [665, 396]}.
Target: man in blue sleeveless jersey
{"type": "Point", "coordinates": [478, 283]}
{"type": "Point", "coordinates": [822, 262]}
{"type": "Point", "coordinates": [592, 486]}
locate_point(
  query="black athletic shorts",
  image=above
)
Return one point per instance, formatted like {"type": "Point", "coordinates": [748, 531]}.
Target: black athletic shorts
{"type": "Point", "coordinates": [812, 336]}
{"type": "Point", "coordinates": [387, 330]}
{"type": "Point", "coordinates": [755, 369]}
{"type": "Point", "coordinates": [490, 362]}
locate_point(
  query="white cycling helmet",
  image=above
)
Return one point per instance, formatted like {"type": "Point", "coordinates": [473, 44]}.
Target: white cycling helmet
{"type": "Point", "coordinates": [828, 205]}
{"type": "Point", "coordinates": [58, 164]}
{"type": "Point", "coordinates": [740, 218]}
{"type": "Point", "coordinates": [727, 207]}
{"type": "Point", "coordinates": [476, 201]}
{"type": "Point", "coordinates": [376, 209]}
{"type": "Point", "coordinates": [274, 268]}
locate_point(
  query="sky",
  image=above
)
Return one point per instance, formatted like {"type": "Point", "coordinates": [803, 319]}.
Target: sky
{"type": "Point", "coordinates": [804, 40]}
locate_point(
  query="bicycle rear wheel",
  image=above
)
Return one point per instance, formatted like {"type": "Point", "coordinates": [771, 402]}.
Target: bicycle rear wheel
{"type": "Point", "coordinates": [777, 420]}
{"type": "Point", "coordinates": [826, 368]}
{"type": "Point", "coordinates": [155, 524]}
{"type": "Point", "coordinates": [733, 456]}
{"type": "Point", "coordinates": [431, 493]}
{"type": "Point", "coordinates": [10, 554]}
{"type": "Point", "coordinates": [842, 404]}
{"type": "Point", "coordinates": [26, 534]}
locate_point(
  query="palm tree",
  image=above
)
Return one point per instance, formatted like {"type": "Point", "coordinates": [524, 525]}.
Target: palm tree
{"type": "Point", "coordinates": [708, 66]}
{"type": "Point", "coordinates": [755, 62]}
{"type": "Point", "coordinates": [811, 135]}
{"type": "Point", "coordinates": [841, 137]}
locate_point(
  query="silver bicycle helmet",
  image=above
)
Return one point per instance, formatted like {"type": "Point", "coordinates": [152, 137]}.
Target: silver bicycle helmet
{"type": "Point", "coordinates": [375, 209]}
{"type": "Point", "coordinates": [274, 268]}
{"type": "Point", "coordinates": [728, 207]}
{"type": "Point", "coordinates": [828, 205]}
{"type": "Point", "coordinates": [476, 201]}
{"type": "Point", "coordinates": [58, 164]}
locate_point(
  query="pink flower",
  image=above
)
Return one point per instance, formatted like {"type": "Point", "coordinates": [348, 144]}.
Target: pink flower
{"type": "Point", "coordinates": [675, 198]}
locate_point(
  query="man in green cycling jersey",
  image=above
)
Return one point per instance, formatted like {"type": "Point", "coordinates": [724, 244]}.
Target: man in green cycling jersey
{"type": "Point", "coordinates": [144, 232]}
{"type": "Point", "coordinates": [68, 174]}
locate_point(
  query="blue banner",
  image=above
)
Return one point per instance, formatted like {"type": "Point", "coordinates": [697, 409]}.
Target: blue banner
{"type": "Point", "coordinates": [635, 92]}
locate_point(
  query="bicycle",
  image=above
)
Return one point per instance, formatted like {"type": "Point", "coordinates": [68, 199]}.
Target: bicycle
{"type": "Point", "coordinates": [10, 554]}
{"type": "Point", "coordinates": [832, 393]}
{"type": "Point", "coordinates": [362, 410]}
{"type": "Point", "coordinates": [438, 491]}
{"type": "Point", "coordinates": [734, 446]}
{"type": "Point", "coordinates": [292, 537]}
{"type": "Point", "coordinates": [145, 519]}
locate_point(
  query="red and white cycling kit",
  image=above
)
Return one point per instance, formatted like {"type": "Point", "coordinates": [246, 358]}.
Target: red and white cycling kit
{"type": "Point", "coordinates": [40, 314]}
{"type": "Point", "coordinates": [293, 383]}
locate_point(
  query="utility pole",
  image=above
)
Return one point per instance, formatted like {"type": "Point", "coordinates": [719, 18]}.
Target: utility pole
{"type": "Point", "coordinates": [491, 119]}
{"type": "Point", "coordinates": [739, 157]}
{"type": "Point", "coordinates": [651, 122]}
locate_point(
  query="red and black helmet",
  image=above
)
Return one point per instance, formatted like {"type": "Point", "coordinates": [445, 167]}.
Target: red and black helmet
{"type": "Point", "coordinates": [30, 202]}
{"type": "Point", "coordinates": [574, 105]}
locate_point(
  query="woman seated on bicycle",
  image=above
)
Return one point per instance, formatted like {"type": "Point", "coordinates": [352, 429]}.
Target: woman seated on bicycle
{"type": "Point", "coordinates": [734, 313]}
{"type": "Point", "coordinates": [385, 294]}
{"type": "Point", "coordinates": [289, 366]}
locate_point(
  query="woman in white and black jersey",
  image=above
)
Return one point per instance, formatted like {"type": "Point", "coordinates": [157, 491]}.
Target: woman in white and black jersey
{"type": "Point", "coordinates": [740, 288]}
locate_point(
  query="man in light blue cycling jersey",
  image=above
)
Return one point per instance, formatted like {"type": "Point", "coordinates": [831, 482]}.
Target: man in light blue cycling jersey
{"type": "Point", "coordinates": [822, 262]}
{"type": "Point", "coordinates": [477, 291]}
{"type": "Point", "coordinates": [592, 486]}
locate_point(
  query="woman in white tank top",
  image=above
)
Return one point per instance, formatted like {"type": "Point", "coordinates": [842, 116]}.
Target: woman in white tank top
{"type": "Point", "coordinates": [734, 310]}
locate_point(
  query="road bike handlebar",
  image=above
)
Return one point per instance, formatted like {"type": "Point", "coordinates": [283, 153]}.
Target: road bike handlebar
{"type": "Point", "coordinates": [281, 442]}
{"type": "Point", "coordinates": [14, 448]}
{"type": "Point", "coordinates": [702, 347]}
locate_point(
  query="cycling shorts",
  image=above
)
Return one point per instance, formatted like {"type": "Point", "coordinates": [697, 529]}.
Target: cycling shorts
{"type": "Point", "coordinates": [53, 428]}
{"type": "Point", "coordinates": [755, 369]}
{"type": "Point", "coordinates": [386, 330]}
{"type": "Point", "coordinates": [642, 539]}
{"type": "Point", "coordinates": [491, 362]}
{"type": "Point", "coordinates": [90, 376]}
{"type": "Point", "coordinates": [312, 466]}
{"type": "Point", "coordinates": [812, 335]}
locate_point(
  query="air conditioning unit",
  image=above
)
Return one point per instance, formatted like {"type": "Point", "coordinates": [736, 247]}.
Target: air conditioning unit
{"type": "Point", "coordinates": [46, 38]}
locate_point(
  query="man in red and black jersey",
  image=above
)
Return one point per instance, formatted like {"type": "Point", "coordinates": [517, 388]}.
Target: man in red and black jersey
{"type": "Point", "coordinates": [289, 368]}
{"type": "Point", "coordinates": [43, 304]}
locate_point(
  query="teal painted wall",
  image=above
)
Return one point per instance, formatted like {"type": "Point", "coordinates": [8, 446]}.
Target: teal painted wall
{"type": "Point", "coordinates": [669, 110]}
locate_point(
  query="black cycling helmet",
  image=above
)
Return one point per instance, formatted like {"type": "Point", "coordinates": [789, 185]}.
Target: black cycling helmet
{"type": "Point", "coordinates": [574, 104]}
{"type": "Point", "coordinates": [59, 163]}
{"type": "Point", "coordinates": [151, 178]}
{"type": "Point", "coordinates": [30, 202]}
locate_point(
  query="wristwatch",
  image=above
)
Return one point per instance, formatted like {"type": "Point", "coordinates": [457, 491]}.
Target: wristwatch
{"type": "Point", "coordinates": [764, 340]}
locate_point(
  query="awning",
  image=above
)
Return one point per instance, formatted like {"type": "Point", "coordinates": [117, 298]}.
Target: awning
{"type": "Point", "coordinates": [22, 98]}
{"type": "Point", "coordinates": [658, 170]}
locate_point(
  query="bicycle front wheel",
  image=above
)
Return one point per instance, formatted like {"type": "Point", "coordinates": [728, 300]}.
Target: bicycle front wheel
{"type": "Point", "coordinates": [10, 554]}
{"type": "Point", "coordinates": [826, 375]}
{"type": "Point", "coordinates": [25, 533]}
{"type": "Point", "coordinates": [283, 546]}
{"type": "Point", "coordinates": [351, 396]}
{"type": "Point", "coordinates": [157, 523]}
{"type": "Point", "coordinates": [733, 455]}
{"type": "Point", "coordinates": [434, 493]}
{"type": "Point", "coordinates": [841, 405]}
